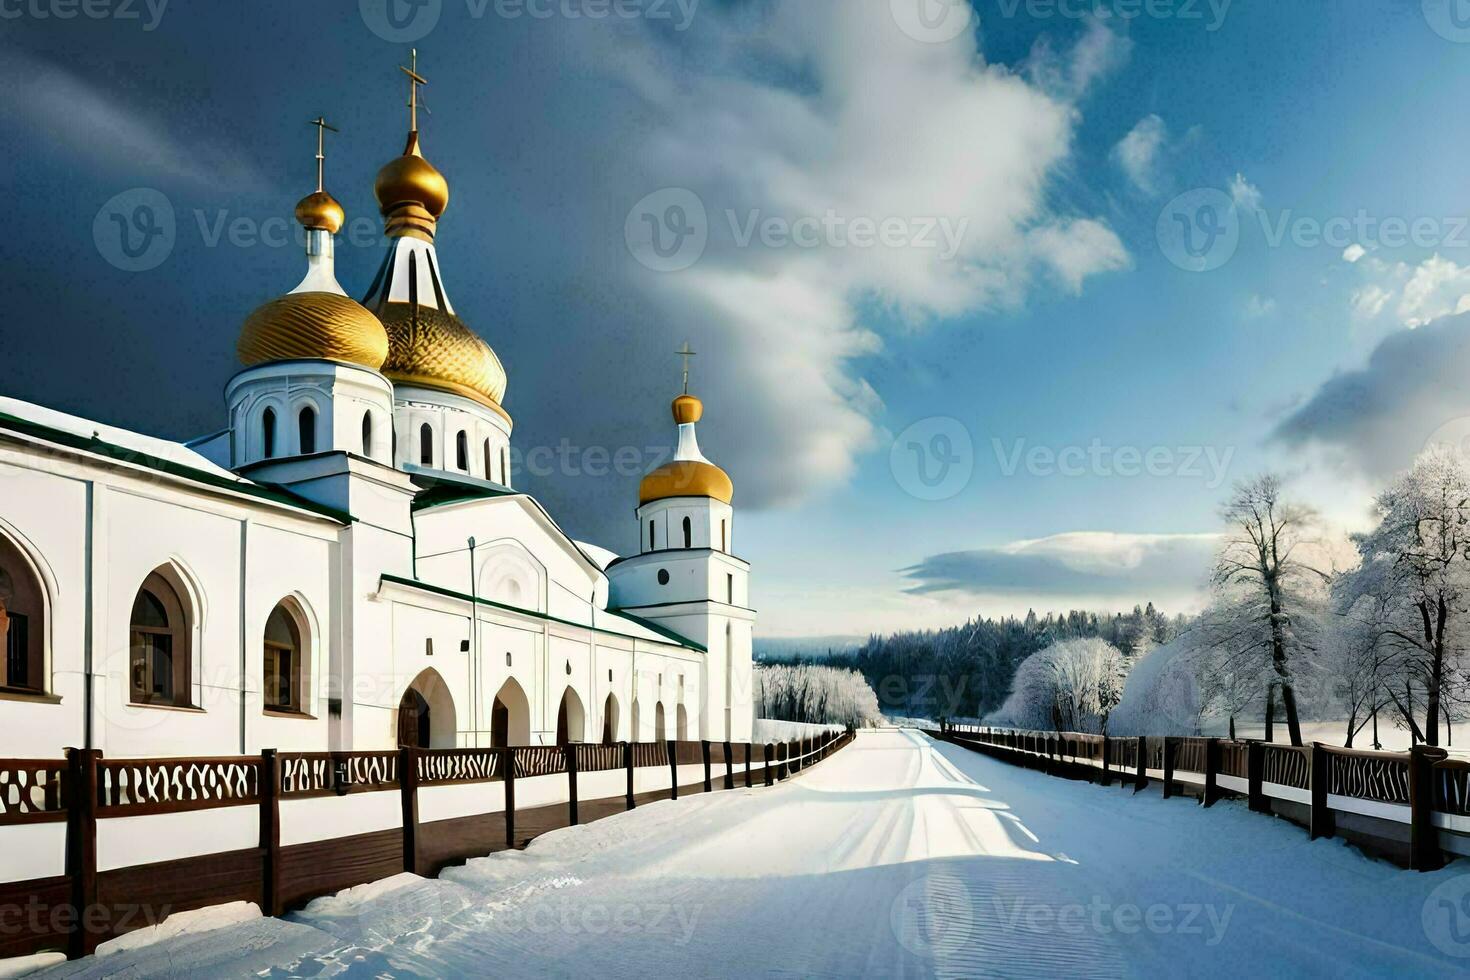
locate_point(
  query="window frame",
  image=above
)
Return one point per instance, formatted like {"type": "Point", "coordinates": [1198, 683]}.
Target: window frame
{"type": "Point", "coordinates": [180, 646]}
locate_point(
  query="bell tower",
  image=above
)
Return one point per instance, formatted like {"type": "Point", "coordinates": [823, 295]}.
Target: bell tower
{"type": "Point", "coordinates": [686, 576]}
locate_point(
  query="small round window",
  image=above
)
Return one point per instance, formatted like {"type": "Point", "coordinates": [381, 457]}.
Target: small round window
{"type": "Point", "coordinates": [663, 576]}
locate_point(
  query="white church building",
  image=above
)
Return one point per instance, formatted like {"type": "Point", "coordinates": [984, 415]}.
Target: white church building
{"type": "Point", "coordinates": [347, 566]}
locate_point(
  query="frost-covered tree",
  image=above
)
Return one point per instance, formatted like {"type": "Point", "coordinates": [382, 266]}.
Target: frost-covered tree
{"type": "Point", "coordinates": [1412, 588]}
{"type": "Point", "coordinates": [1069, 686]}
{"type": "Point", "coordinates": [815, 695]}
{"type": "Point", "coordinates": [1267, 599]}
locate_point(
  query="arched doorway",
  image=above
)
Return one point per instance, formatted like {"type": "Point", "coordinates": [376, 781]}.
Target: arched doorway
{"type": "Point", "coordinates": [426, 717]}
{"type": "Point", "coordinates": [659, 732]}
{"type": "Point", "coordinates": [610, 720]}
{"type": "Point", "coordinates": [510, 716]}
{"type": "Point", "coordinates": [681, 723]}
{"type": "Point", "coordinates": [571, 719]}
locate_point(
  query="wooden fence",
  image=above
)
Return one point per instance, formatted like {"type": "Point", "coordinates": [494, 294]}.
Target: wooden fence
{"type": "Point", "coordinates": [82, 907]}
{"type": "Point", "coordinates": [1411, 806]}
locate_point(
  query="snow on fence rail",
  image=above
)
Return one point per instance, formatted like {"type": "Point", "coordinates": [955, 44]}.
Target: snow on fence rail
{"type": "Point", "coordinates": [1366, 796]}
{"type": "Point", "coordinates": [331, 844]}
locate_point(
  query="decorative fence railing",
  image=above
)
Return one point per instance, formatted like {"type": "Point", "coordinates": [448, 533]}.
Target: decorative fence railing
{"type": "Point", "coordinates": [82, 905]}
{"type": "Point", "coordinates": [1423, 788]}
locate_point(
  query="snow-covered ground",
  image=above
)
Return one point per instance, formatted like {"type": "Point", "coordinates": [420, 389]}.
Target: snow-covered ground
{"type": "Point", "coordinates": [896, 857]}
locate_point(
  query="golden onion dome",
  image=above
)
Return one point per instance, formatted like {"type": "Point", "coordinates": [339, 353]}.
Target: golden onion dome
{"type": "Point", "coordinates": [313, 326]}
{"type": "Point", "coordinates": [686, 478]}
{"type": "Point", "coordinates": [410, 180]}
{"type": "Point", "coordinates": [320, 210]}
{"type": "Point", "coordinates": [434, 349]}
{"type": "Point", "coordinates": [688, 409]}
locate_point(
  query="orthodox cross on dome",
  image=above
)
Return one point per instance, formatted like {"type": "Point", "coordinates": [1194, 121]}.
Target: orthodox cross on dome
{"type": "Point", "coordinates": [414, 81]}
{"type": "Point", "coordinates": [686, 353]}
{"type": "Point", "coordinates": [321, 124]}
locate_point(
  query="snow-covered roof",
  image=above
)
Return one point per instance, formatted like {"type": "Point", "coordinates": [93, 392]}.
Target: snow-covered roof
{"type": "Point", "coordinates": [600, 556]}
{"type": "Point", "coordinates": [161, 455]}
{"type": "Point", "coordinates": [172, 452]}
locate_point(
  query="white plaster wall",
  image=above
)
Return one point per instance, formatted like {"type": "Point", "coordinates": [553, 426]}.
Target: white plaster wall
{"type": "Point", "coordinates": [43, 511]}
{"type": "Point", "coordinates": [126, 841]}
{"type": "Point", "coordinates": [466, 800]}
{"type": "Point", "coordinates": [328, 817]}
{"type": "Point", "coordinates": [447, 415]}
{"type": "Point", "coordinates": [36, 850]}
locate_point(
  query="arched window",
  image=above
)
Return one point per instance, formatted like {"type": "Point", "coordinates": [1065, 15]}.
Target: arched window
{"type": "Point", "coordinates": [570, 719]}
{"type": "Point", "coordinates": [688, 533]}
{"type": "Point", "coordinates": [268, 432]}
{"type": "Point", "coordinates": [22, 623]}
{"type": "Point", "coordinates": [724, 537]}
{"type": "Point", "coordinates": [285, 661]}
{"type": "Point", "coordinates": [651, 545]}
{"type": "Point", "coordinates": [504, 467]}
{"type": "Point", "coordinates": [610, 718]}
{"type": "Point", "coordinates": [367, 434]}
{"type": "Point", "coordinates": [489, 467]}
{"type": "Point", "coordinates": [462, 452]}
{"type": "Point", "coordinates": [307, 423]}
{"type": "Point", "coordinates": [158, 642]}
{"type": "Point", "coordinates": [681, 723]}
{"type": "Point", "coordinates": [426, 444]}
{"type": "Point", "coordinates": [659, 735]}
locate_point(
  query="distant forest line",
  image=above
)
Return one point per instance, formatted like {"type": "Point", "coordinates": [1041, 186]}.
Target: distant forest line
{"type": "Point", "coordinates": [966, 671]}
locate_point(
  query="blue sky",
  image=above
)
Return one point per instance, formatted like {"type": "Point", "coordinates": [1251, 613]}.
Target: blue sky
{"type": "Point", "coordinates": [1058, 334]}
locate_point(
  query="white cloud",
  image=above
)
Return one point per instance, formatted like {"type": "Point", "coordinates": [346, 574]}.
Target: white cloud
{"type": "Point", "coordinates": [1069, 75]}
{"type": "Point", "coordinates": [1354, 252]}
{"type": "Point", "coordinates": [1138, 153]}
{"type": "Point", "coordinates": [1246, 195]}
{"type": "Point", "coordinates": [1373, 421]}
{"type": "Point", "coordinates": [1107, 565]}
{"type": "Point", "coordinates": [1436, 288]}
{"type": "Point", "coordinates": [875, 130]}
{"type": "Point", "coordinates": [44, 98]}
{"type": "Point", "coordinates": [1370, 300]}
{"type": "Point", "coordinates": [1078, 249]}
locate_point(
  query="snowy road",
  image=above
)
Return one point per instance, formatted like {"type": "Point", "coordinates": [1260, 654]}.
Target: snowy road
{"type": "Point", "coordinates": [897, 857]}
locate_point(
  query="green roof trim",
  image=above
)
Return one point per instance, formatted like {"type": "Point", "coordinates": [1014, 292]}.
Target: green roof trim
{"type": "Point", "coordinates": [100, 447]}
{"type": "Point", "coordinates": [440, 491]}
{"type": "Point", "coordinates": [650, 625]}
{"type": "Point", "coordinates": [673, 637]}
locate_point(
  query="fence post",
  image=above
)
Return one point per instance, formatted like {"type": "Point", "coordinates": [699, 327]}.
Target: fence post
{"type": "Point", "coordinates": [748, 749]}
{"type": "Point", "coordinates": [81, 846]}
{"type": "Point", "coordinates": [1255, 771]}
{"type": "Point", "coordinates": [270, 832]}
{"type": "Point", "coordinates": [571, 753]}
{"type": "Point", "coordinates": [628, 764]}
{"type": "Point", "coordinates": [1321, 824]}
{"type": "Point", "coordinates": [783, 752]}
{"type": "Point", "coordinates": [768, 753]}
{"type": "Point", "coordinates": [704, 751]}
{"type": "Point", "coordinates": [1107, 777]}
{"type": "Point", "coordinates": [1424, 852]}
{"type": "Point", "coordinates": [1140, 779]}
{"type": "Point", "coordinates": [1170, 742]}
{"type": "Point", "coordinates": [729, 768]}
{"type": "Point", "coordinates": [408, 787]}
{"type": "Point", "coordinates": [673, 769]}
{"type": "Point", "coordinates": [510, 796]}
{"type": "Point", "coordinates": [1212, 770]}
